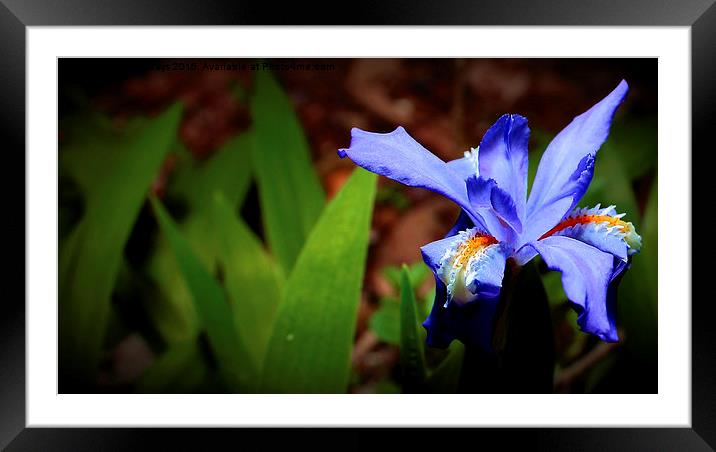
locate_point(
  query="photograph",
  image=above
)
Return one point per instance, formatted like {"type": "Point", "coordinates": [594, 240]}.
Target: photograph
{"type": "Point", "coordinates": [348, 225]}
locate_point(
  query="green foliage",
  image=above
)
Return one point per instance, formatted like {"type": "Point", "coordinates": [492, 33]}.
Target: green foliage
{"type": "Point", "coordinates": [102, 162]}
{"type": "Point", "coordinates": [227, 171]}
{"type": "Point", "coordinates": [289, 190]}
{"type": "Point", "coordinates": [193, 184]}
{"type": "Point", "coordinates": [417, 273]}
{"type": "Point", "coordinates": [309, 350]}
{"type": "Point", "coordinates": [253, 281]}
{"type": "Point", "coordinates": [385, 321]}
{"type": "Point", "coordinates": [275, 309]}
{"type": "Point", "coordinates": [232, 357]}
{"type": "Point", "coordinates": [412, 355]}
{"type": "Point", "coordinates": [445, 379]}
{"type": "Point", "coordinates": [638, 292]}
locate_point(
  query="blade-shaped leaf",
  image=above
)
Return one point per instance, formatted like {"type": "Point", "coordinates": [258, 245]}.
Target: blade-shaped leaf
{"type": "Point", "coordinates": [289, 191]}
{"type": "Point", "coordinates": [446, 378]}
{"type": "Point", "coordinates": [412, 355]}
{"type": "Point", "coordinates": [93, 252]}
{"type": "Point", "coordinates": [418, 271]}
{"type": "Point", "coordinates": [309, 350]}
{"type": "Point", "coordinates": [94, 147]}
{"type": "Point", "coordinates": [251, 277]}
{"type": "Point", "coordinates": [211, 305]}
{"type": "Point", "coordinates": [171, 309]}
{"type": "Point", "coordinates": [227, 171]}
{"type": "Point", "coordinates": [637, 298]}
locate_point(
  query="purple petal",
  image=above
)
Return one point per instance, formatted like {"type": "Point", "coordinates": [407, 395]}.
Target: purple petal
{"type": "Point", "coordinates": [586, 276]}
{"type": "Point", "coordinates": [567, 165]}
{"type": "Point", "coordinates": [495, 206]}
{"type": "Point", "coordinates": [525, 254]}
{"type": "Point", "coordinates": [398, 156]}
{"type": "Point", "coordinates": [471, 264]}
{"type": "Point", "coordinates": [472, 324]}
{"type": "Point", "coordinates": [503, 157]}
{"type": "Point", "coordinates": [466, 167]}
{"type": "Point", "coordinates": [602, 228]}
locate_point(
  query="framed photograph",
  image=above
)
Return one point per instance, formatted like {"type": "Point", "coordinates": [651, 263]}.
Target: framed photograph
{"type": "Point", "coordinates": [358, 226]}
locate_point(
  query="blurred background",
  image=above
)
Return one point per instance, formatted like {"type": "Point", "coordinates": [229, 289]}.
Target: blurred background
{"type": "Point", "coordinates": [146, 338]}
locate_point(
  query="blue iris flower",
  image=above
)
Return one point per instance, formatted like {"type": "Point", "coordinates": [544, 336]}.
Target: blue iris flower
{"type": "Point", "coordinates": [591, 247]}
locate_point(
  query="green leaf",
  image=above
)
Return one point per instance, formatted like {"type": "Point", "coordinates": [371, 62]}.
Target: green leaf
{"type": "Point", "coordinates": [171, 308]}
{"type": "Point", "coordinates": [180, 369]}
{"type": "Point", "coordinates": [412, 354]}
{"type": "Point", "coordinates": [637, 299]}
{"type": "Point", "coordinates": [214, 311]}
{"type": "Point", "coordinates": [290, 193]}
{"type": "Point", "coordinates": [385, 321]}
{"type": "Point", "coordinates": [310, 348]}
{"type": "Point", "coordinates": [94, 147]}
{"type": "Point", "coordinates": [446, 378]}
{"type": "Point", "coordinates": [92, 253]}
{"type": "Point", "coordinates": [417, 271]}
{"type": "Point", "coordinates": [251, 277]}
{"type": "Point", "coordinates": [392, 274]}
{"type": "Point", "coordinates": [227, 171]}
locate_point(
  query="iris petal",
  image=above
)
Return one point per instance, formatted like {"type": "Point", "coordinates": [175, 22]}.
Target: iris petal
{"type": "Point", "coordinates": [471, 264]}
{"type": "Point", "coordinates": [504, 158]}
{"type": "Point", "coordinates": [467, 166]}
{"type": "Point", "coordinates": [586, 276]}
{"type": "Point", "coordinates": [495, 206]}
{"type": "Point", "coordinates": [398, 156]}
{"type": "Point", "coordinates": [567, 165]}
{"type": "Point", "coordinates": [472, 324]}
{"type": "Point", "coordinates": [602, 228]}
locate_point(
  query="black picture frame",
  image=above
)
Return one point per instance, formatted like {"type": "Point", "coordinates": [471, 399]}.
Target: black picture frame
{"type": "Point", "coordinates": [16, 15]}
